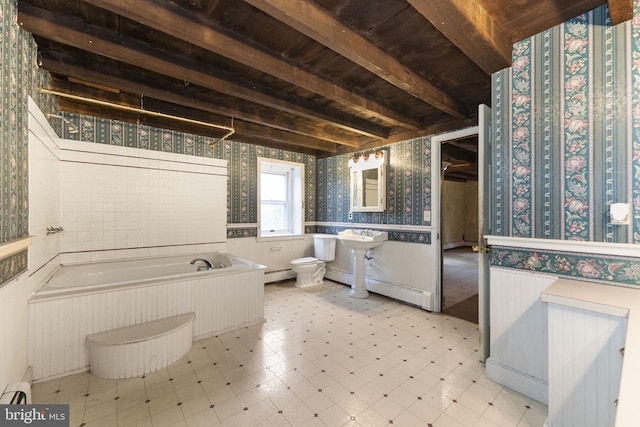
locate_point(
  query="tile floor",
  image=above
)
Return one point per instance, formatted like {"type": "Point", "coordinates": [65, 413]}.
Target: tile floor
{"type": "Point", "coordinates": [321, 359]}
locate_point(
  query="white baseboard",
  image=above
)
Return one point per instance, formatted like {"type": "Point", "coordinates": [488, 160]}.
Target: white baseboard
{"type": "Point", "coordinates": [518, 381]}
{"type": "Point", "coordinates": [423, 299]}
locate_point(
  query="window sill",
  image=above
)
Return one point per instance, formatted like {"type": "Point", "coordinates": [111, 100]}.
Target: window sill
{"type": "Point", "coordinates": [274, 237]}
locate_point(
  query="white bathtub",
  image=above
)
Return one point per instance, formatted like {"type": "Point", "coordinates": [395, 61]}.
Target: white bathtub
{"type": "Point", "coordinates": [72, 279]}
{"type": "Point", "coordinates": [82, 299]}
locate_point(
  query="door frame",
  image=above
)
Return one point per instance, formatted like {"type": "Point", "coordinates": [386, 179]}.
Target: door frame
{"type": "Point", "coordinates": [436, 204]}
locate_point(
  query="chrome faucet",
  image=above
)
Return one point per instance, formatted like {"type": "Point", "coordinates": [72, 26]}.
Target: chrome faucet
{"type": "Point", "coordinates": [207, 265]}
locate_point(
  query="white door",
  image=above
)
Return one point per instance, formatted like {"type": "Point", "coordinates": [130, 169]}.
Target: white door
{"type": "Point", "coordinates": [485, 198]}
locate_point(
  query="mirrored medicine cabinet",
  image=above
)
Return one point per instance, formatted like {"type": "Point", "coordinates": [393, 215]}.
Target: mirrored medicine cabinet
{"type": "Point", "coordinates": [368, 189]}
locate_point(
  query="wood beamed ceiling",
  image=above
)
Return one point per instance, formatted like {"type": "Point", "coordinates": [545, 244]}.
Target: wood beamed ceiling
{"type": "Point", "coordinates": [322, 77]}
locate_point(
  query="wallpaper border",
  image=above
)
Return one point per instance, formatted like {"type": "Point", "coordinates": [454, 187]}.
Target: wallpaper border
{"type": "Point", "coordinates": [607, 269]}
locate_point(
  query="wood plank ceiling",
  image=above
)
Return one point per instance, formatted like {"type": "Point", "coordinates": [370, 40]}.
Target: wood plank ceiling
{"type": "Point", "coordinates": [322, 77]}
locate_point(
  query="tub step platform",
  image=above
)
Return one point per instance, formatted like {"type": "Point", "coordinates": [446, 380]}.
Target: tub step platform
{"type": "Point", "coordinates": [139, 349]}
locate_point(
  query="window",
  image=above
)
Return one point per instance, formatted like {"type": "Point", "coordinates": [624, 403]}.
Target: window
{"type": "Point", "coordinates": [281, 189]}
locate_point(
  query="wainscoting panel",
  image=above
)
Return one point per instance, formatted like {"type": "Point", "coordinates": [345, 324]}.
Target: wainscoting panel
{"type": "Point", "coordinates": [397, 269]}
{"type": "Point", "coordinates": [13, 318]}
{"type": "Point", "coordinates": [518, 332]}
{"type": "Point", "coordinates": [274, 254]}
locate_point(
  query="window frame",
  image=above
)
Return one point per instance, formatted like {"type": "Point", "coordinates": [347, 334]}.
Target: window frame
{"type": "Point", "coordinates": [295, 198]}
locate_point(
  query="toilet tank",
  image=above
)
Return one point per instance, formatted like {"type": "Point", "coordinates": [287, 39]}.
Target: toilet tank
{"type": "Point", "coordinates": [324, 246]}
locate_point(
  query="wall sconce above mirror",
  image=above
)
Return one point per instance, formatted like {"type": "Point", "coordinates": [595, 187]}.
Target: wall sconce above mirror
{"type": "Point", "coordinates": [368, 182]}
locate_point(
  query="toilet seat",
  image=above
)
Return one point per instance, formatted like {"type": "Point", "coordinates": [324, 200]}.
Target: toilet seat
{"type": "Point", "coordinates": [304, 261]}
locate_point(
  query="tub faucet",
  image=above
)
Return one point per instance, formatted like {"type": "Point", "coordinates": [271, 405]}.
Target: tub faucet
{"type": "Point", "coordinates": [207, 265]}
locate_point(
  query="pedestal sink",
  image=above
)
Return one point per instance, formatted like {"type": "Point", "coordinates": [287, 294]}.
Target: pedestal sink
{"type": "Point", "coordinates": [359, 241]}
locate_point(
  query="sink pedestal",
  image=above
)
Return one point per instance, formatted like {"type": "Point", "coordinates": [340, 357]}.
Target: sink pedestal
{"type": "Point", "coordinates": [358, 289]}
{"type": "Point", "coordinates": [360, 241]}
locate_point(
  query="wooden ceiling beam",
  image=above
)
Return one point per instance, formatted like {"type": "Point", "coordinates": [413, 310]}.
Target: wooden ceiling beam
{"type": "Point", "coordinates": [244, 128]}
{"type": "Point", "coordinates": [324, 28]}
{"type": "Point", "coordinates": [172, 20]}
{"type": "Point", "coordinates": [259, 141]}
{"type": "Point", "coordinates": [253, 130]}
{"type": "Point", "coordinates": [250, 113]}
{"type": "Point", "coordinates": [77, 34]}
{"type": "Point", "coordinates": [469, 27]}
{"type": "Point", "coordinates": [620, 10]}
{"type": "Point", "coordinates": [406, 135]}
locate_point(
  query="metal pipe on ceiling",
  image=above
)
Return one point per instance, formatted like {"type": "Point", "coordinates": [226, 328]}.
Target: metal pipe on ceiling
{"type": "Point", "coordinates": [230, 130]}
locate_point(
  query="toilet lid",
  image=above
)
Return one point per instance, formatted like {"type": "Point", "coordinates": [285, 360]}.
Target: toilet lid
{"type": "Point", "coordinates": [306, 260]}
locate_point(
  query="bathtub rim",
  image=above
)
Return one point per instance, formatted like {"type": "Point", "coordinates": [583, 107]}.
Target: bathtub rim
{"type": "Point", "coordinates": [37, 296]}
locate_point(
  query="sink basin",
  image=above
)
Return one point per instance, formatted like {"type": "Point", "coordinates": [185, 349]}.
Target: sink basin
{"type": "Point", "coordinates": [362, 239]}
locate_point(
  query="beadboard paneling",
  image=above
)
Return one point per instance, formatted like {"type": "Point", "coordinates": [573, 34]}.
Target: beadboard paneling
{"type": "Point", "coordinates": [585, 368]}
{"type": "Point", "coordinates": [58, 327]}
{"type": "Point", "coordinates": [518, 333]}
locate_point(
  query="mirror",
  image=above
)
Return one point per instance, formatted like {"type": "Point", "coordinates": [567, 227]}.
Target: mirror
{"type": "Point", "coordinates": [368, 183]}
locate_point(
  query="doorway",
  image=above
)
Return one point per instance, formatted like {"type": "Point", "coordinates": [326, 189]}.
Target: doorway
{"type": "Point", "coordinates": [483, 132]}
{"type": "Point", "coordinates": [459, 227]}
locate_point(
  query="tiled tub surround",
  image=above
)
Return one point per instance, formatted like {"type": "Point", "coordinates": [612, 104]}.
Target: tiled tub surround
{"type": "Point", "coordinates": [45, 193]}
{"type": "Point", "coordinates": [519, 319]}
{"type": "Point", "coordinates": [116, 198]}
{"type": "Point", "coordinates": [222, 300]}
{"type": "Point", "coordinates": [120, 202]}
{"type": "Point", "coordinates": [116, 202]}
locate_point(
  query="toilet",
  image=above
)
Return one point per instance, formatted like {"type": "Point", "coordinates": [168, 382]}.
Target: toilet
{"type": "Point", "coordinates": [310, 270]}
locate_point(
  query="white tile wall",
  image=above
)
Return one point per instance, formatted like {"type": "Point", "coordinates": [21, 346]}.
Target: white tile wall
{"type": "Point", "coordinates": [115, 199]}
{"type": "Point", "coordinates": [44, 189]}
{"type": "Point", "coordinates": [119, 202]}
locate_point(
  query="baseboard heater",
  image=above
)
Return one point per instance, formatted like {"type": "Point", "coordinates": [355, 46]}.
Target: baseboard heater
{"type": "Point", "coordinates": [16, 394]}
{"type": "Point", "coordinates": [276, 275]}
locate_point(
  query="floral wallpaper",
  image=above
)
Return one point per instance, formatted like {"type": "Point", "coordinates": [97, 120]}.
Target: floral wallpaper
{"type": "Point", "coordinates": [567, 132]}
{"type": "Point", "coordinates": [408, 190]}
{"type": "Point", "coordinates": [20, 78]}
{"type": "Point", "coordinates": [577, 138]}
{"type": "Point", "coordinates": [594, 268]}
{"type": "Point", "coordinates": [242, 184]}
{"type": "Point", "coordinates": [522, 190]}
{"type": "Point", "coordinates": [633, 163]}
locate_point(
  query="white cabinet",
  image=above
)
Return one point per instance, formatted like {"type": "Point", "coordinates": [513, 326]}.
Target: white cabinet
{"type": "Point", "coordinates": [585, 365]}
{"type": "Point", "coordinates": [587, 335]}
